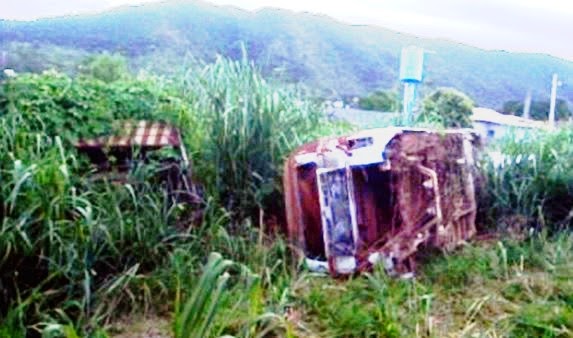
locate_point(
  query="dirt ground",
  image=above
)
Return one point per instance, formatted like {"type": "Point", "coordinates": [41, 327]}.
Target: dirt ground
{"type": "Point", "coordinates": [141, 327]}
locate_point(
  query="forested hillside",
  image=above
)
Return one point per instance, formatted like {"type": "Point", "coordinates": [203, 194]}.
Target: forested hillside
{"type": "Point", "coordinates": [334, 58]}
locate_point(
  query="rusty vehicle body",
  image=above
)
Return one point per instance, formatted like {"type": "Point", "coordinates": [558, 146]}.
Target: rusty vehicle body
{"type": "Point", "coordinates": [115, 157]}
{"type": "Point", "coordinates": [378, 196]}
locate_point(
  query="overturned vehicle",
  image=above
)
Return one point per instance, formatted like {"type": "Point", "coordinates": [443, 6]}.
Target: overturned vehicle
{"type": "Point", "coordinates": [379, 196]}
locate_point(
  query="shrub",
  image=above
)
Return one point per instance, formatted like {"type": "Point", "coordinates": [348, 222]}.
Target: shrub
{"type": "Point", "coordinates": [447, 107]}
{"type": "Point", "coordinates": [539, 109]}
{"type": "Point", "coordinates": [105, 67]}
{"type": "Point", "coordinates": [385, 101]}
{"type": "Point", "coordinates": [53, 104]}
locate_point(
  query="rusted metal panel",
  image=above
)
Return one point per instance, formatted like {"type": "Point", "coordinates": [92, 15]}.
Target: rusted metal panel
{"type": "Point", "coordinates": [114, 159]}
{"type": "Point", "coordinates": [387, 191]}
{"type": "Point", "coordinates": [136, 133]}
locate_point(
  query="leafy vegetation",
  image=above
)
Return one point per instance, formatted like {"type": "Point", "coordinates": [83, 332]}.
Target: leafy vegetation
{"type": "Point", "coordinates": [382, 101]}
{"type": "Point", "coordinates": [539, 110]}
{"type": "Point", "coordinates": [105, 67]}
{"type": "Point", "coordinates": [54, 104]}
{"type": "Point", "coordinates": [35, 57]}
{"type": "Point", "coordinates": [74, 251]}
{"type": "Point", "coordinates": [77, 255]}
{"type": "Point", "coordinates": [447, 107]}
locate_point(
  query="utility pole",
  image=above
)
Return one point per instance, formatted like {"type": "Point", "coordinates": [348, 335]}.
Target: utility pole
{"type": "Point", "coordinates": [3, 60]}
{"type": "Point", "coordinates": [554, 84]}
{"type": "Point", "coordinates": [527, 105]}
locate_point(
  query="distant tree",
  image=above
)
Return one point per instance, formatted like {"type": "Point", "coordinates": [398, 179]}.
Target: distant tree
{"type": "Point", "coordinates": [386, 101]}
{"type": "Point", "coordinates": [26, 57]}
{"type": "Point", "coordinates": [539, 109]}
{"type": "Point", "coordinates": [447, 107]}
{"type": "Point", "coordinates": [105, 67]}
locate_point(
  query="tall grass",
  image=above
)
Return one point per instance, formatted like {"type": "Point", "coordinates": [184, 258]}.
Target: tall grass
{"type": "Point", "coordinates": [194, 318]}
{"type": "Point", "coordinates": [529, 182]}
{"type": "Point", "coordinates": [93, 250]}
{"type": "Point", "coordinates": [250, 125]}
{"type": "Point", "coordinates": [77, 241]}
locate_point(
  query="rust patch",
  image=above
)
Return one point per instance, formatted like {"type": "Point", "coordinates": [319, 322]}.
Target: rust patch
{"type": "Point", "coordinates": [390, 192]}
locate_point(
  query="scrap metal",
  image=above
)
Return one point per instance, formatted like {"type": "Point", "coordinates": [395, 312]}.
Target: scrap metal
{"type": "Point", "coordinates": [174, 171]}
{"type": "Point", "coordinates": [379, 196]}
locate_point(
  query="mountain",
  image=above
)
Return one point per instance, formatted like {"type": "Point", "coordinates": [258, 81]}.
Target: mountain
{"type": "Point", "coordinates": [332, 57]}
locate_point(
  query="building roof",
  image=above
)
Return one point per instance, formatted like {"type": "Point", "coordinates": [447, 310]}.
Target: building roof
{"type": "Point", "coordinates": [492, 116]}
{"type": "Point", "coordinates": [136, 133]}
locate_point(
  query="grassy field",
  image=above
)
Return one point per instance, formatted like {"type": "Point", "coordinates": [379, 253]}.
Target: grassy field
{"type": "Point", "coordinates": [86, 259]}
{"type": "Point", "coordinates": [494, 288]}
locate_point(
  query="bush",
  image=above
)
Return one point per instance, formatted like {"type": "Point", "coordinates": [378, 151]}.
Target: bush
{"type": "Point", "coordinates": [105, 67]}
{"type": "Point", "coordinates": [447, 107]}
{"type": "Point", "coordinates": [539, 109]}
{"type": "Point", "coordinates": [384, 101]}
{"type": "Point", "coordinates": [53, 104]}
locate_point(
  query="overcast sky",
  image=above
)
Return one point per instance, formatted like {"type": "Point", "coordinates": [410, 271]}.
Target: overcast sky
{"type": "Point", "coordinates": [540, 26]}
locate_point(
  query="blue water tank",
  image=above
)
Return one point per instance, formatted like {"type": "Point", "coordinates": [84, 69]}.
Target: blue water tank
{"type": "Point", "coordinates": [412, 64]}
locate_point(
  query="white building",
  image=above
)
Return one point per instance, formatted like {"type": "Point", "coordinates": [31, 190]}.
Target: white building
{"type": "Point", "coordinates": [493, 125]}
{"type": "Point", "coordinates": [10, 72]}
